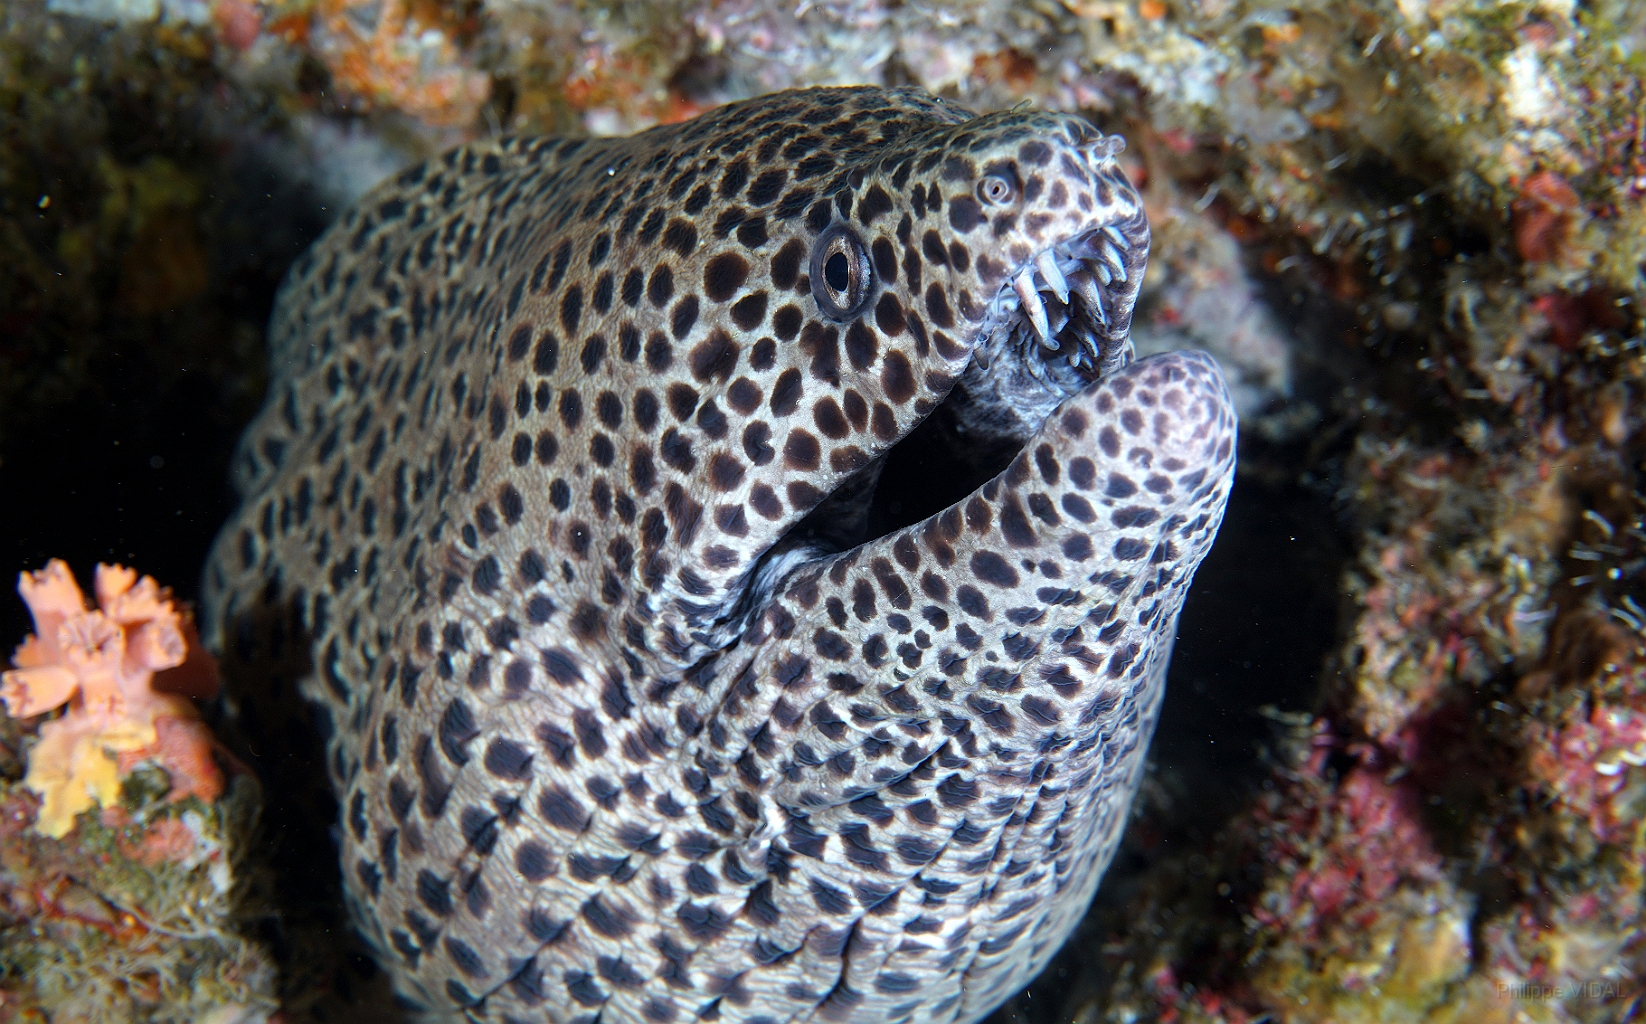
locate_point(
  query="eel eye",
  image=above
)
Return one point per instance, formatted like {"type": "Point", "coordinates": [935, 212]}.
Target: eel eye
{"type": "Point", "coordinates": [995, 190]}
{"type": "Point", "coordinates": [842, 274]}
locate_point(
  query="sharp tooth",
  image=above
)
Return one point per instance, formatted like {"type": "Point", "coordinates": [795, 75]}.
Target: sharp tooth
{"type": "Point", "coordinates": [1087, 288]}
{"type": "Point", "coordinates": [1046, 263]}
{"type": "Point", "coordinates": [1101, 271]}
{"type": "Point", "coordinates": [1112, 256]}
{"type": "Point", "coordinates": [1116, 234]}
{"type": "Point", "coordinates": [1023, 284]}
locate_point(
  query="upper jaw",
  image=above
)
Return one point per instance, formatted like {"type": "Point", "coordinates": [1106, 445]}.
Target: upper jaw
{"type": "Point", "coordinates": [1063, 317]}
{"type": "Point", "coordinates": [1060, 317]}
{"type": "Point", "coordinates": [1075, 298]}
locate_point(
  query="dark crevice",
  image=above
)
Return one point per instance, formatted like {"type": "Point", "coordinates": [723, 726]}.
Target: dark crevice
{"type": "Point", "coordinates": [930, 470]}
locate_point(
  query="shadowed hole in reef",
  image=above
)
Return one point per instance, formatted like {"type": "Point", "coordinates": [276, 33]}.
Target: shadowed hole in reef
{"type": "Point", "coordinates": [124, 454]}
{"type": "Point", "coordinates": [1256, 630]}
{"type": "Point", "coordinates": [267, 651]}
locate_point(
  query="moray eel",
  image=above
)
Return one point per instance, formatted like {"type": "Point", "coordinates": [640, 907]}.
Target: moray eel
{"type": "Point", "coordinates": [639, 707]}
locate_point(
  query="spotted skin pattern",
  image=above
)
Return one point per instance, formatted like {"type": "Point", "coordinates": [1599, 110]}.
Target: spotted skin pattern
{"type": "Point", "coordinates": [541, 410]}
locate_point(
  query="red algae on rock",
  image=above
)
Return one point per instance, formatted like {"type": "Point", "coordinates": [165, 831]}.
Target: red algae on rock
{"type": "Point", "coordinates": [1459, 835]}
{"type": "Point", "coordinates": [400, 54]}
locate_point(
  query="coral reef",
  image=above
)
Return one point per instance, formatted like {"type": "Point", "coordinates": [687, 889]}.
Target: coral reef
{"type": "Point", "coordinates": [1455, 831]}
{"type": "Point", "coordinates": [1412, 230]}
{"type": "Point", "coordinates": [1459, 836]}
{"type": "Point", "coordinates": [123, 888]}
{"type": "Point", "coordinates": [400, 55]}
{"type": "Point", "coordinates": [1494, 151]}
{"type": "Point", "coordinates": [140, 918]}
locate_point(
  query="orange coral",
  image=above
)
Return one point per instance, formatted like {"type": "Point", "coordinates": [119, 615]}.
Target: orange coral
{"type": "Point", "coordinates": [402, 54]}
{"type": "Point", "coordinates": [121, 668]}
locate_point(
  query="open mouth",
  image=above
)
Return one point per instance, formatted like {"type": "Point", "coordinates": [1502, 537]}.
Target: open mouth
{"type": "Point", "coordinates": [1058, 324]}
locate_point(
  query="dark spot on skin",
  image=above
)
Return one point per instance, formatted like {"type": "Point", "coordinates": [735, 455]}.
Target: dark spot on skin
{"type": "Point", "coordinates": [874, 203]}
{"type": "Point", "coordinates": [862, 347]}
{"type": "Point", "coordinates": [750, 312]}
{"type": "Point", "coordinates": [682, 399]}
{"type": "Point", "coordinates": [520, 343]}
{"type": "Point", "coordinates": [883, 422]}
{"type": "Point", "coordinates": [964, 213]}
{"type": "Point", "coordinates": [571, 309]}
{"type": "Point", "coordinates": [767, 187]}
{"type": "Point", "coordinates": [991, 568]}
{"type": "Point", "coordinates": [725, 471]}
{"type": "Point", "coordinates": [757, 443]}
{"type": "Point", "coordinates": [932, 247]}
{"type": "Point", "coordinates": [785, 265]}
{"type": "Point", "coordinates": [680, 236]}
{"type": "Point", "coordinates": [888, 316]}
{"type": "Point", "coordinates": [533, 860]}
{"type": "Point", "coordinates": [1128, 549]}
{"type": "Point", "coordinates": [547, 355]}
{"type": "Point", "coordinates": [937, 307]}
{"type": "Point", "coordinates": [763, 501]}
{"type": "Point", "coordinates": [715, 357]}
{"type": "Point", "coordinates": [743, 396]}
{"type": "Point", "coordinates": [897, 378]}
{"type": "Point", "coordinates": [683, 317]}
{"type": "Point", "coordinates": [786, 323]}
{"type": "Point", "coordinates": [594, 352]}
{"type": "Point", "coordinates": [829, 419]}
{"type": "Point", "coordinates": [724, 275]}
{"type": "Point", "coordinates": [1082, 473]}
{"type": "Point", "coordinates": [660, 289]}
{"type": "Point", "coordinates": [786, 393]}
{"type": "Point", "coordinates": [751, 234]}
{"type": "Point", "coordinates": [1078, 508]}
{"type": "Point", "coordinates": [801, 451]}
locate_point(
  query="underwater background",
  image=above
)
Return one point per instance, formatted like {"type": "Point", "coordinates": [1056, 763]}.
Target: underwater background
{"type": "Point", "coordinates": [1399, 774]}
